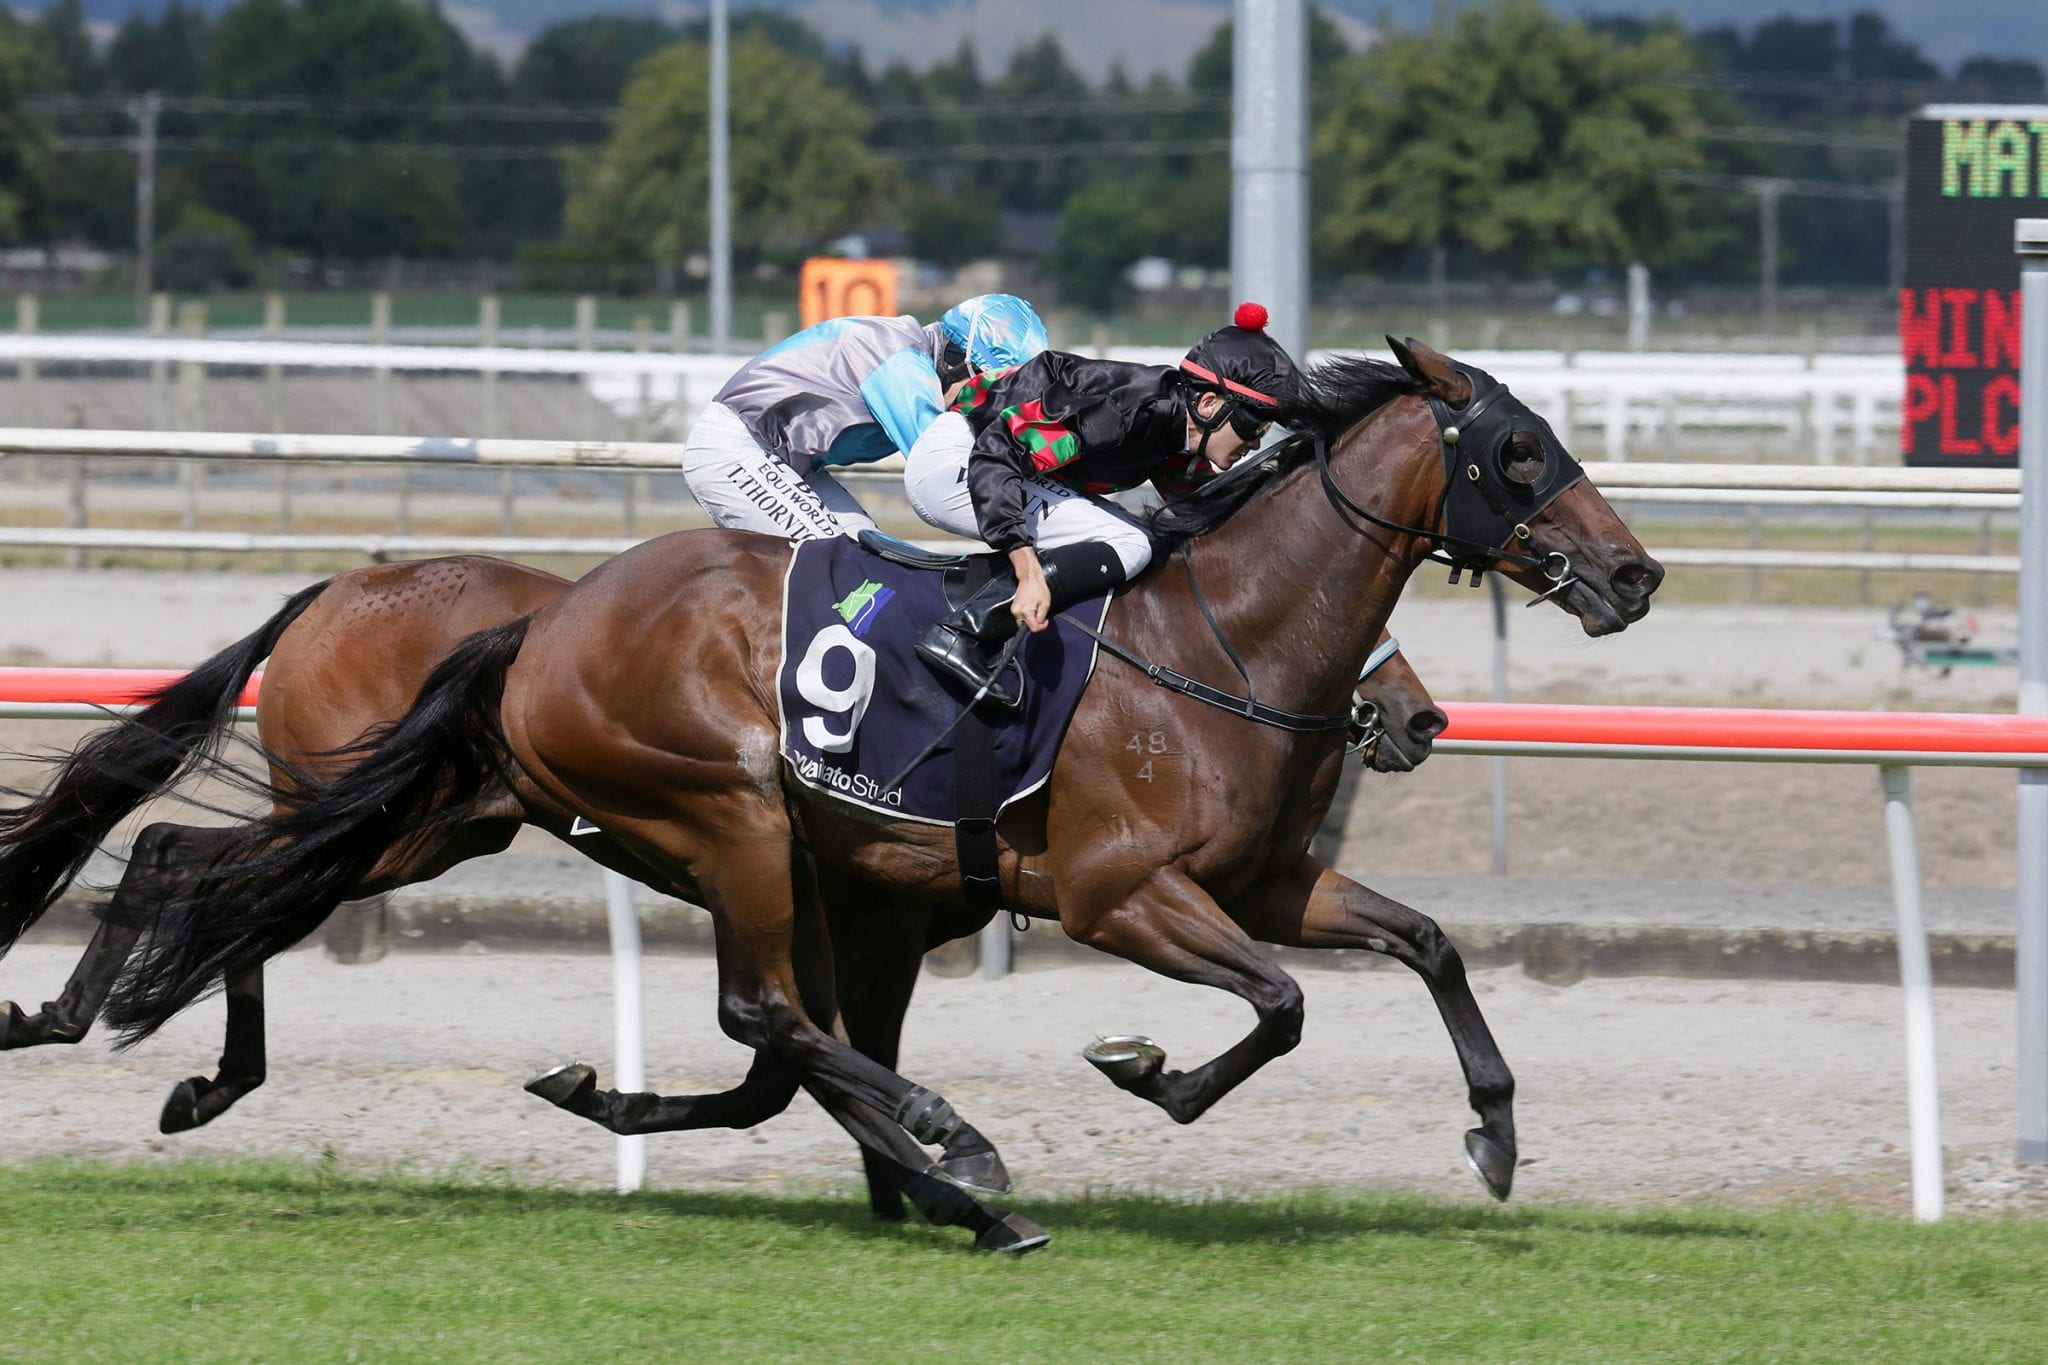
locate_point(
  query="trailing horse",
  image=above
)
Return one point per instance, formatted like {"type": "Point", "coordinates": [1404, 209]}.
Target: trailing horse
{"type": "Point", "coordinates": [643, 700]}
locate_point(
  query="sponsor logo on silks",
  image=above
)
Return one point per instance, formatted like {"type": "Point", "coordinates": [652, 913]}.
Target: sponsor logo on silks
{"type": "Point", "coordinates": [858, 608]}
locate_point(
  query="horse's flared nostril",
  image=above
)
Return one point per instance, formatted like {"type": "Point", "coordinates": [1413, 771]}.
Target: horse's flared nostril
{"type": "Point", "coordinates": [1638, 578]}
{"type": "Point", "coordinates": [1426, 724]}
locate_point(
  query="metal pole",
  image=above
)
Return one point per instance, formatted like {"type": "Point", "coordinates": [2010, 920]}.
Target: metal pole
{"type": "Point", "coordinates": [1500, 693]}
{"type": "Point", "coordinates": [2030, 239]}
{"type": "Point", "coordinates": [629, 1034]}
{"type": "Point", "coordinates": [1269, 165]}
{"type": "Point", "coordinates": [144, 111]}
{"type": "Point", "coordinates": [1916, 979]}
{"type": "Point", "coordinates": [1767, 192]}
{"type": "Point", "coordinates": [721, 172]}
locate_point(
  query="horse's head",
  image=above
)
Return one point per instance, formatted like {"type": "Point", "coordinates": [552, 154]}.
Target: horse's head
{"type": "Point", "coordinates": [1517, 503]}
{"type": "Point", "coordinates": [1397, 718]}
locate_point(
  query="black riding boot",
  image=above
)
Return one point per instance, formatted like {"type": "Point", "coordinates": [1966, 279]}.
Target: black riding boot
{"type": "Point", "coordinates": [963, 644]}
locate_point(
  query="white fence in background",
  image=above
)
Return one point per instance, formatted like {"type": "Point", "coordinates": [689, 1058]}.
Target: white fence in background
{"type": "Point", "coordinates": [1825, 408]}
{"type": "Point", "coordinates": [1981, 491]}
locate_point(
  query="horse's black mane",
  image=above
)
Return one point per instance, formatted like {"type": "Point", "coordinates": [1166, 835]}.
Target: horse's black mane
{"type": "Point", "coordinates": [1336, 395]}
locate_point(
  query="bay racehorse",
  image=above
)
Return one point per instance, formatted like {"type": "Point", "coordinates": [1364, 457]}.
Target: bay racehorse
{"type": "Point", "coordinates": [339, 659]}
{"type": "Point", "coordinates": [642, 700]}
{"type": "Point", "coordinates": [348, 655]}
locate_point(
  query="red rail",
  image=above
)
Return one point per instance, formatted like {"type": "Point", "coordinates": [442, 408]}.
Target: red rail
{"type": "Point", "coordinates": [1678, 731]}
{"type": "Point", "coordinates": [1706, 727]}
{"type": "Point", "coordinates": [95, 686]}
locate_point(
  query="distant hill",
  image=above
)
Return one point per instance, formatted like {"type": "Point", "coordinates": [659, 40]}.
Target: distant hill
{"type": "Point", "coordinates": [1153, 35]}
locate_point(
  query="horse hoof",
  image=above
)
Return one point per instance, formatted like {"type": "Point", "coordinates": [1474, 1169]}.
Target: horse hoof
{"type": "Point", "coordinates": [1491, 1162]}
{"type": "Point", "coordinates": [181, 1110]}
{"type": "Point", "coordinates": [1014, 1233]}
{"type": "Point", "coordinates": [980, 1173]}
{"type": "Point", "coordinates": [1128, 1059]}
{"type": "Point", "coordinates": [566, 1086]}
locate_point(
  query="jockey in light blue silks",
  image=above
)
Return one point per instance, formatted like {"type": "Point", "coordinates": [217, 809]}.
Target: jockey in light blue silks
{"type": "Point", "coordinates": [844, 392]}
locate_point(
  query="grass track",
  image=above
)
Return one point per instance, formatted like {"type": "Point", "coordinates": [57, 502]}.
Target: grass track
{"type": "Point", "coordinates": [280, 1262]}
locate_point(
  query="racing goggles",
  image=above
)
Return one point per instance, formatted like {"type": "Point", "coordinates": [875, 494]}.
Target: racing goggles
{"type": "Point", "coordinates": [1246, 422]}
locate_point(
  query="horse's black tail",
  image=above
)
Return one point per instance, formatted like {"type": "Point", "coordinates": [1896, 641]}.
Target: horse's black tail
{"type": "Point", "coordinates": [277, 878]}
{"type": "Point", "coordinates": [44, 843]}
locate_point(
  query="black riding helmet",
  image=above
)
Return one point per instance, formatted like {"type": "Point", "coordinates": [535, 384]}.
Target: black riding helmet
{"type": "Point", "coordinates": [1257, 379]}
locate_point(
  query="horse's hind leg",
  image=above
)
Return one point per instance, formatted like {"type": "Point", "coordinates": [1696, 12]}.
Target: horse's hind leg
{"type": "Point", "coordinates": [878, 950]}
{"type": "Point", "coordinates": [69, 1017]}
{"type": "Point", "coordinates": [199, 1100]}
{"type": "Point", "coordinates": [776, 958]}
{"type": "Point", "coordinates": [1314, 907]}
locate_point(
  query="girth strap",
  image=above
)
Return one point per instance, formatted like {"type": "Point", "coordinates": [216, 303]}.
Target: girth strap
{"type": "Point", "coordinates": [974, 787]}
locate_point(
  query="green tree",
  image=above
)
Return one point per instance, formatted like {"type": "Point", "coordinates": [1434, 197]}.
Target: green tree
{"type": "Point", "coordinates": [1103, 228]}
{"type": "Point", "coordinates": [391, 201]}
{"type": "Point", "coordinates": [801, 173]}
{"type": "Point", "coordinates": [65, 62]}
{"type": "Point", "coordinates": [166, 54]}
{"type": "Point", "coordinates": [953, 227]}
{"type": "Point", "coordinates": [587, 60]}
{"type": "Point", "coordinates": [24, 145]}
{"type": "Point", "coordinates": [1512, 135]}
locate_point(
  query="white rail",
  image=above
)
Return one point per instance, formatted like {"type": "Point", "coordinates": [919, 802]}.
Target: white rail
{"type": "Point", "coordinates": [1972, 490]}
{"type": "Point", "coordinates": [1813, 403]}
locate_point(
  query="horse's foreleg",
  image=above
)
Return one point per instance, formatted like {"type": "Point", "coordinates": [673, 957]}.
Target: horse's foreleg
{"type": "Point", "coordinates": [1170, 925]}
{"type": "Point", "coordinates": [1315, 907]}
{"type": "Point", "coordinates": [199, 1100]}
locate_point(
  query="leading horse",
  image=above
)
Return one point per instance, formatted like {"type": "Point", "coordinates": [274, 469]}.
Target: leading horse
{"type": "Point", "coordinates": [339, 660]}
{"type": "Point", "coordinates": [643, 700]}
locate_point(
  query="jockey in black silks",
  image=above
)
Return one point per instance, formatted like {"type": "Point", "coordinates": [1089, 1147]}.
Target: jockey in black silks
{"type": "Point", "coordinates": [1053, 435]}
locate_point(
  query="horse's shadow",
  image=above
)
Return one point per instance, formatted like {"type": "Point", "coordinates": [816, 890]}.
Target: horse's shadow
{"type": "Point", "coordinates": [295, 1192]}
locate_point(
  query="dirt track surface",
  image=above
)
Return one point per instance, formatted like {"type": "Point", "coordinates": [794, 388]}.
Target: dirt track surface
{"type": "Point", "coordinates": [1632, 1092]}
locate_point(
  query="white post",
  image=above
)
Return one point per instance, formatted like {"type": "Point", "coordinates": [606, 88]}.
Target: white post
{"type": "Point", "coordinates": [1916, 978]}
{"type": "Point", "coordinates": [629, 1040]}
{"type": "Point", "coordinates": [1638, 306]}
{"type": "Point", "coordinates": [2030, 239]}
{"type": "Point", "coordinates": [997, 942]}
{"type": "Point", "coordinates": [1500, 694]}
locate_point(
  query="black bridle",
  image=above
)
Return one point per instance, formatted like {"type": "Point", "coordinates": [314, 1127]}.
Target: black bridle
{"type": "Point", "coordinates": [1476, 515]}
{"type": "Point", "coordinates": [1481, 510]}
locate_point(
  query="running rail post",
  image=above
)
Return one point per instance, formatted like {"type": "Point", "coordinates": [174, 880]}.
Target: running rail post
{"type": "Point", "coordinates": [1499, 762]}
{"type": "Point", "coordinates": [2030, 239]}
{"type": "Point", "coordinates": [629, 1035]}
{"type": "Point", "coordinates": [1916, 979]}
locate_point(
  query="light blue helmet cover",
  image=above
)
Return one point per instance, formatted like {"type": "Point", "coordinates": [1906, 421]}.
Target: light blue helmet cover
{"type": "Point", "coordinates": [995, 331]}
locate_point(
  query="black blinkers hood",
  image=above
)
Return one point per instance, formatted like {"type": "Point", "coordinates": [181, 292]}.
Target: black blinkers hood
{"type": "Point", "coordinates": [1482, 505]}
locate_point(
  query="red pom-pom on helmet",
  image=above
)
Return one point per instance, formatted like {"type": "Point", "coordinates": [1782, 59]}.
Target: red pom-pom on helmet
{"type": "Point", "coordinates": [1250, 316]}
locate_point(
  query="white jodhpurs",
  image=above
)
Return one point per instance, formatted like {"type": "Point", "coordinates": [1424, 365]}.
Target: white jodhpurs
{"type": "Point", "coordinates": [935, 479]}
{"type": "Point", "coordinates": [745, 488]}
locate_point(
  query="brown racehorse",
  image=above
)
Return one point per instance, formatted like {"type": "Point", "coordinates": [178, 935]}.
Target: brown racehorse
{"type": "Point", "coordinates": [643, 700]}
{"type": "Point", "coordinates": [347, 657]}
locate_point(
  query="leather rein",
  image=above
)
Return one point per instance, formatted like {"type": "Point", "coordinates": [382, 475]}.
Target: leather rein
{"type": "Point", "coordinates": [1460, 552]}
